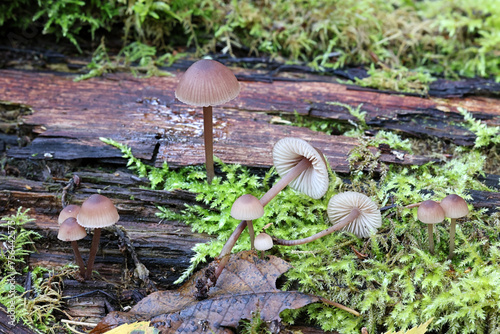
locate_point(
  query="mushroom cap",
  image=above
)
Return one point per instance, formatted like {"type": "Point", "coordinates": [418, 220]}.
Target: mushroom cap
{"type": "Point", "coordinates": [454, 206]}
{"type": "Point", "coordinates": [97, 211]}
{"type": "Point", "coordinates": [70, 230]}
{"type": "Point", "coordinates": [288, 152]}
{"type": "Point", "coordinates": [263, 242]}
{"type": "Point", "coordinates": [69, 211]}
{"type": "Point", "coordinates": [430, 212]}
{"type": "Point", "coordinates": [207, 83]}
{"type": "Point", "coordinates": [247, 207]}
{"type": "Point", "coordinates": [369, 219]}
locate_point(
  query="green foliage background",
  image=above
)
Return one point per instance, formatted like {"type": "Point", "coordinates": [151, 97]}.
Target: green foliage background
{"type": "Point", "coordinates": [450, 37]}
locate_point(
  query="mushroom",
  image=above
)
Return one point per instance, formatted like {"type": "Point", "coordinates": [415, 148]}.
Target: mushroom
{"type": "Point", "coordinates": [454, 207]}
{"type": "Point", "coordinates": [430, 213]}
{"type": "Point", "coordinates": [96, 212]}
{"type": "Point", "coordinates": [350, 211]}
{"type": "Point", "coordinates": [70, 230]}
{"type": "Point", "coordinates": [207, 83]}
{"type": "Point", "coordinates": [263, 242]}
{"type": "Point", "coordinates": [69, 211]}
{"type": "Point", "coordinates": [247, 208]}
{"type": "Point", "coordinates": [301, 166]}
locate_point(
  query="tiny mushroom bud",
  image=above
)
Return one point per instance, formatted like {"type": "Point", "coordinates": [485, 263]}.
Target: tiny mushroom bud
{"type": "Point", "coordinates": [454, 207]}
{"type": "Point", "coordinates": [247, 208]}
{"type": "Point", "coordinates": [70, 230]}
{"type": "Point", "coordinates": [263, 242]}
{"type": "Point", "coordinates": [96, 212]}
{"type": "Point", "coordinates": [69, 211]}
{"type": "Point", "coordinates": [301, 166]}
{"type": "Point", "coordinates": [350, 211]}
{"type": "Point", "coordinates": [207, 83]}
{"type": "Point", "coordinates": [430, 213]}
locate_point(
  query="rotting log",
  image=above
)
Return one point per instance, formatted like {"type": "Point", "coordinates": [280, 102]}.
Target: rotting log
{"type": "Point", "coordinates": [69, 117]}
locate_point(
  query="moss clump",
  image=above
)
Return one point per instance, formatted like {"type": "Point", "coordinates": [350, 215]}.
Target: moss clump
{"type": "Point", "coordinates": [390, 277]}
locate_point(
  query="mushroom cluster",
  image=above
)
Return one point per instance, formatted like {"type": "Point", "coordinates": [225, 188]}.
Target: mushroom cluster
{"type": "Point", "coordinates": [430, 212]}
{"type": "Point", "coordinates": [95, 213]}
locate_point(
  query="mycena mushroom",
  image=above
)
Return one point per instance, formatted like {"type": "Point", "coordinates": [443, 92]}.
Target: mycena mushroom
{"type": "Point", "coordinates": [70, 230]}
{"type": "Point", "coordinates": [350, 211]}
{"type": "Point", "coordinates": [207, 83]}
{"type": "Point", "coordinates": [247, 208]}
{"type": "Point", "coordinates": [96, 212]}
{"type": "Point", "coordinates": [430, 212]}
{"type": "Point", "coordinates": [454, 207]}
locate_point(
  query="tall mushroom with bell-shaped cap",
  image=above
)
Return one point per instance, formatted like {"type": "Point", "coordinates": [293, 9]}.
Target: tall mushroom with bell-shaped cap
{"type": "Point", "coordinates": [247, 208]}
{"type": "Point", "coordinates": [70, 230]}
{"type": "Point", "coordinates": [350, 211]}
{"type": "Point", "coordinates": [429, 212]}
{"type": "Point", "coordinates": [207, 83]}
{"type": "Point", "coordinates": [301, 166]}
{"type": "Point", "coordinates": [454, 207]}
{"type": "Point", "coordinates": [67, 212]}
{"type": "Point", "coordinates": [96, 212]}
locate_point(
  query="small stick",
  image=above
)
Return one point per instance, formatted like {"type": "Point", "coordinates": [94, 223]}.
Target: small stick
{"type": "Point", "coordinates": [79, 323]}
{"type": "Point", "coordinates": [340, 306]}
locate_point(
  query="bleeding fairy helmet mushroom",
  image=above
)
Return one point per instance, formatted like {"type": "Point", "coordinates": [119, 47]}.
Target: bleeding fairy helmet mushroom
{"type": "Point", "coordinates": [454, 207]}
{"type": "Point", "coordinates": [349, 211]}
{"type": "Point", "coordinates": [207, 83]}
{"type": "Point", "coordinates": [96, 212]}
{"type": "Point", "coordinates": [430, 213]}
{"type": "Point", "coordinates": [70, 230]}
{"type": "Point", "coordinates": [69, 211]}
{"type": "Point", "coordinates": [301, 166]}
{"type": "Point", "coordinates": [344, 204]}
{"type": "Point", "coordinates": [247, 208]}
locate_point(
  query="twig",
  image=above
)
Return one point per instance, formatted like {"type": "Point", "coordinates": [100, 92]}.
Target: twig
{"type": "Point", "coordinates": [78, 323]}
{"type": "Point", "coordinates": [73, 183]}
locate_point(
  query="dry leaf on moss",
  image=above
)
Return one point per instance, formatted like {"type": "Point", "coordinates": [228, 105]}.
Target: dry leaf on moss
{"type": "Point", "coordinates": [415, 330]}
{"type": "Point", "coordinates": [246, 285]}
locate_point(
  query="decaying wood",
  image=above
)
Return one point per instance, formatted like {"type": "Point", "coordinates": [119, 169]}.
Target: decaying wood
{"type": "Point", "coordinates": [69, 117]}
{"type": "Point", "coordinates": [6, 325]}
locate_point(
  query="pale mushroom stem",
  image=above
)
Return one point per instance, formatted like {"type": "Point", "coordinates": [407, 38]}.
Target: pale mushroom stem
{"type": "Point", "coordinates": [453, 224]}
{"type": "Point", "coordinates": [209, 142]}
{"type": "Point", "coordinates": [346, 220]}
{"type": "Point", "coordinates": [93, 252]}
{"type": "Point", "coordinates": [430, 229]}
{"type": "Point", "coordinates": [252, 234]}
{"type": "Point", "coordinates": [285, 180]}
{"type": "Point", "coordinates": [78, 258]}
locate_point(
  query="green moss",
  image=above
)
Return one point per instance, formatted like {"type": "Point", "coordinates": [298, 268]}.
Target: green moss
{"type": "Point", "coordinates": [399, 284]}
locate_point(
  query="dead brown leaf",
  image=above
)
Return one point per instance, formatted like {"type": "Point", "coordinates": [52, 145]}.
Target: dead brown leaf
{"type": "Point", "coordinates": [246, 285]}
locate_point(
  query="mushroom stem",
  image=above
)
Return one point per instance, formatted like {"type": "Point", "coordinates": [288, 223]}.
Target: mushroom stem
{"type": "Point", "coordinates": [209, 142]}
{"type": "Point", "coordinates": [93, 252]}
{"type": "Point", "coordinates": [78, 258]}
{"type": "Point", "coordinates": [453, 225]}
{"type": "Point", "coordinates": [285, 180]}
{"type": "Point", "coordinates": [252, 234]}
{"type": "Point", "coordinates": [431, 237]}
{"type": "Point", "coordinates": [346, 220]}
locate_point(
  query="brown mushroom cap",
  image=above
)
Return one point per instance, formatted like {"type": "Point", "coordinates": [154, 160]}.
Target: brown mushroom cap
{"type": "Point", "coordinates": [430, 212]}
{"type": "Point", "coordinates": [247, 207]}
{"type": "Point", "coordinates": [288, 152]}
{"type": "Point", "coordinates": [263, 242]}
{"type": "Point", "coordinates": [69, 211]}
{"type": "Point", "coordinates": [207, 83]}
{"type": "Point", "coordinates": [454, 206]}
{"type": "Point", "coordinates": [70, 230]}
{"type": "Point", "coordinates": [369, 219]}
{"type": "Point", "coordinates": [97, 211]}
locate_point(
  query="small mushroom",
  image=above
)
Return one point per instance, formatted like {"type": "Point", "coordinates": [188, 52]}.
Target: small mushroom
{"type": "Point", "coordinates": [207, 83]}
{"type": "Point", "coordinates": [430, 213]}
{"type": "Point", "coordinates": [454, 207]}
{"type": "Point", "coordinates": [69, 211]}
{"type": "Point", "coordinates": [350, 211]}
{"type": "Point", "coordinates": [247, 208]}
{"type": "Point", "coordinates": [301, 166]}
{"type": "Point", "coordinates": [263, 242]}
{"type": "Point", "coordinates": [96, 212]}
{"type": "Point", "coordinates": [70, 230]}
